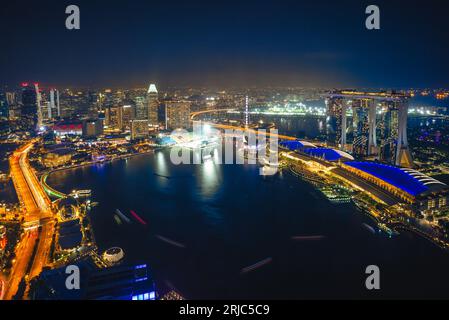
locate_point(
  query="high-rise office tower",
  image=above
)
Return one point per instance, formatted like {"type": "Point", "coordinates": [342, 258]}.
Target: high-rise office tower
{"type": "Point", "coordinates": [29, 112]}
{"type": "Point", "coordinates": [52, 106]}
{"type": "Point", "coordinates": [153, 105]}
{"type": "Point", "coordinates": [388, 132]}
{"type": "Point", "coordinates": [246, 112]}
{"type": "Point", "coordinates": [4, 107]}
{"type": "Point", "coordinates": [39, 106]}
{"type": "Point", "coordinates": [128, 116]}
{"type": "Point", "coordinates": [141, 108]}
{"type": "Point", "coordinates": [336, 122]}
{"type": "Point", "coordinates": [11, 98]}
{"type": "Point", "coordinates": [361, 126]}
{"type": "Point", "coordinates": [177, 114]}
{"type": "Point", "coordinates": [94, 104]}
{"type": "Point", "coordinates": [58, 108]}
{"type": "Point", "coordinates": [114, 118]}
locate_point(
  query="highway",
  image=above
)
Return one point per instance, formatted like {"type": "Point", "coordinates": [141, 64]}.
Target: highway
{"type": "Point", "coordinates": [33, 249]}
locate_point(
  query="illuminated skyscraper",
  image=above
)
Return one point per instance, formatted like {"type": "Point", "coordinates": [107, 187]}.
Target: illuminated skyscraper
{"type": "Point", "coordinates": [141, 108]}
{"type": "Point", "coordinates": [58, 107]}
{"type": "Point", "coordinates": [392, 127]}
{"type": "Point", "coordinates": [361, 122]}
{"type": "Point", "coordinates": [52, 106]}
{"type": "Point", "coordinates": [4, 107]}
{"type": "Point", "coordinates": [246, 112]}
{"type": "Point", "coordinates": [11, 98]}
{"type": "Point", "coordinates": [153, 105]}
{"type": "Point", "coordinates": [39, 106]}
{"type": "Point", "coordinates": [177, 114]}
{"type": "Point", "coordinates": [114, 118]}
{"type": "Point", "coordinates": [29, 112]}
{"type": "Point", "coordinates": [336, 122]}
{"type": "Point", "coordinates": [127, 116]}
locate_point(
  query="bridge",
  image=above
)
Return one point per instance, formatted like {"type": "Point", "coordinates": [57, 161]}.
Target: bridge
{"type": "Point", "coordinates": [193, 115]}
{"type": "Point", "coordinates": [32, 251]}
{"type": "Point", "coordinates": [51, 191]}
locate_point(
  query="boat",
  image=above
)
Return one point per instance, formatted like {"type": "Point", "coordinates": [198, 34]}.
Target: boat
{"type": "Point", "coordinates": [308, 238]}
{"type": "Point", "coordinates": [169, 241]}
{"type": "Point", "coordinates": [370, 229]}
{"type": "Point", "coordinates": [117, 219]}
{"type": "Point", "coordinates": [139, 219]}
{"type": "Point", "coordinates": [82, 193]}
{"type": "Point", "coordinates": [162, 176]}
{"type": "Point", "coordinates": [387, 230]}
{"type": "Point", "coordinates": [257, 265]}
{"type": "Point", "coordinates": [121, 215]}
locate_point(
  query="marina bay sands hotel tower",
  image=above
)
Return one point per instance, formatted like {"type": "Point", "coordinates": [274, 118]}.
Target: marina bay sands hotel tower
{"type": "Point", "coordinates": [369, 124]}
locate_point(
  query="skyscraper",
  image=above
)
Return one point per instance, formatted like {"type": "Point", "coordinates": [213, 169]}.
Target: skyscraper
{"type": "Point", "coordinates": [392, 127]}
{"type": "Point", "coordinates": [127, 116]}
{"type": "Point", "coordinates": [29, 112]}
{"type": "Point", "coordinates": [39, 106]}
{"type": "Point", "coordinates": [58, 108]}
{"type": "Point", "coordinates": [114, 118]}
{"type": "Point", "coordinates": [11, 98]}
{"type": "Point", "coordinates": [153, 105]}
{"type": "Point", "coordinates": [52, 106]}
{"type": "Point", "coordinates": [336, 122]}
{"type": "Point", "coordinates": [246, 112]}
{"type": "Point", "coordinates": [177, 114]}
{"type": "Point", "coordinates": [361, 129]}
{"type": "Point", "coordinates": [141, 108]}
{"type": "Point", "coordinates": [4, 107]}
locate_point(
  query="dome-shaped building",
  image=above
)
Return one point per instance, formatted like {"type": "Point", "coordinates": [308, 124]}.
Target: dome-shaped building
{"type": "Point", "coordinates": [113, 255]}
{"type": "Point", "coordinates": [67, 208]}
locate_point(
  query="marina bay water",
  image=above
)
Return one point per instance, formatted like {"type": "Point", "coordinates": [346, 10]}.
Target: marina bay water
{"type": "Point", "coordinates": [224, 231]}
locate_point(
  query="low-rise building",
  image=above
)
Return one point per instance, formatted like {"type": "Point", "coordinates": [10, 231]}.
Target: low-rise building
{"type": "Point", "coordinates": [424, 193]}
{"type": "Point", "coordinates": [58, 157]}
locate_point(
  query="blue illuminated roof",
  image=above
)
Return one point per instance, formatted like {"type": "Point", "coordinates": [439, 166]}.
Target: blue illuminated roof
{"type": "Point", "coordinates": [294, 145]}
{"type": "Point", "coordinates": [326, 154]}
{"type": "Point", "coordinates": [408, 180]}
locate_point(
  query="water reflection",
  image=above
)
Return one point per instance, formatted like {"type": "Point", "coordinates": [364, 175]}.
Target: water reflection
{"type": "Point", "coordinates": [161, 168]}
{"type": "Point", "coordinates": [210, 175]}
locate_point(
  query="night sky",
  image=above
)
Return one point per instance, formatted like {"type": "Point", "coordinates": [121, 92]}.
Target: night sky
{"type": "Point", "coordinates": [226, 43]}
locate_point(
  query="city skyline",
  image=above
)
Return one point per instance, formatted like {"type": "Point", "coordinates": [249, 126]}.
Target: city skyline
{"type": "Point", "coordinates": [262, 43]}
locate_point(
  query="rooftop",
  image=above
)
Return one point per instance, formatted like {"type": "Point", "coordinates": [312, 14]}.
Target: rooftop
{"type": "Point", "coordinates": [328, 154]}
{"type": "Point", "coordinates": [294, 145]}
{"type": "Point", "coordinates": [152, 88]}
{"type": "Point", "coordinates": [408, 180]}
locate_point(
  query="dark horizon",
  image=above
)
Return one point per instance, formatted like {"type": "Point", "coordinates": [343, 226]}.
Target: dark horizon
{"type": "Point", "coordinates": [265, 43]}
